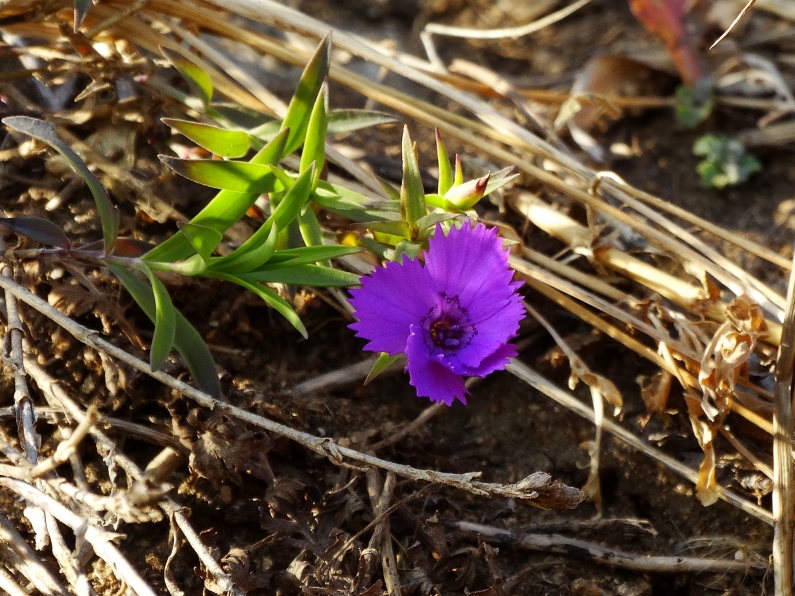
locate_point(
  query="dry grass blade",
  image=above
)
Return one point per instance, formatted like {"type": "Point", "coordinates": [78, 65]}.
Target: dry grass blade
{"type": "Point", "coordinates": [783, 496]}
{"type": "Point", "coordinates": [511, 32]}
{"type": "Point", "coordinates": [534, 379]}
{"type": "Point", "coordinates": [745, 9]}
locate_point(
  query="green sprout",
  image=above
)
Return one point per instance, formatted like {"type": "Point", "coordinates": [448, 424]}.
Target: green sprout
{"type": "Point", "coordinates": [725, 163]}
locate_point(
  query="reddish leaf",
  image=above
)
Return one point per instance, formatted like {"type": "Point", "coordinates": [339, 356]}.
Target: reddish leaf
{"type": "Point", "coordinates": [664, 18]}
{"type": "Point", "coordinates": [130, 247]}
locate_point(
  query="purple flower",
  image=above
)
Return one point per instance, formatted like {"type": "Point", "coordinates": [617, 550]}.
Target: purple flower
{"type": "Point", "coordinates": [452, 318]}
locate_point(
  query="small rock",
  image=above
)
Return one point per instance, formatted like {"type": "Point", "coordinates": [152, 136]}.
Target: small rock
{"type": "Point", "coordinates": [586, 587]}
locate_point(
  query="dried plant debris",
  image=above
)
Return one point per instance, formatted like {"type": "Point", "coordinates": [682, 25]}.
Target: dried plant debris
{"type": "Point", "coordinates": [207, 209]}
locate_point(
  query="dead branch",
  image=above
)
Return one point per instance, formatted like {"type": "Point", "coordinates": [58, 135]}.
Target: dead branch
{"type": "Point", "coordinates": [537, 489]}
{"type": "Point", "coordinates": [604, 555]}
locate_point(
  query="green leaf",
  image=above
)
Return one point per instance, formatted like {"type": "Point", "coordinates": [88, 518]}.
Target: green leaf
{"type": "Point", "coordinates": [270, 297]}
{"type": "Point", "coordinates": [499, 179]}
{"type": "Point", "coordinates": [726, 161]}
{"type": "Point", "coordinates": [458, 177]}
{"type": "Point", "coordinates": [315, 143]}
{"type": "Point", "coordinates": [393, 228]}
{"type": "Point", "coordinates": [407, 248]}
{"type": "Point", "coordinates": [445, 171]}
{"type": "Point", "coordinates": [45, 132]}
{"type": "Point", "coordinates": [300, 108]}
{"type": "Point", "coordinates": [383, 362]}
{"type": "Point", "coordinates": [309, 226]}
{"type": "Point", "coordinates": [187, 341]}
{"type": "Point", "coordinates": [353, 205]}
{"type": "Point", "coordinates": [694, 104]}
{"type": "Point", "coordinates": [392, 192]}
{"type": "Point", "coordinates": [238, 116]}
{"type": "Point", "coordinates": [293, 201]}
{"type": "Point", "coordinates": [236, 176]}
{"type": "Point", "coordinates": [430, 220]}
{"type": "Point", "coordinates": [203, 239]}
{"type": "Point", "coordinates": [412, 194]}
{"type": "Point", "coordinates": [253, 253]}
{"type": "Point", "coordinates": [38, 229]}
{"type": "Point", "coordinates": [220, 141]}
{"type": "Point", "coordinates": [310, 254]}
{"type": "Point", "coordinates": [165, 322]}
{"type": "Point", "coordinates": [226, 209]}
{"type": "Point", "coordinates": [303, 275]}
{"type": "Point", "coordinates": [344, 121]}
{"type": "Point", "coordinates": [266, 130]}
{"type": "Point", "coordinates": [198, 79]}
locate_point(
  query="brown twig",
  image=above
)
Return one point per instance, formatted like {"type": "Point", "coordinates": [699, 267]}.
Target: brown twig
{"type": "Point", "coordinates": [604, 555]}
{"type": "Point", "coordinates": [381, 538]}
{"type": "Point", "coordinates": [537, 489]}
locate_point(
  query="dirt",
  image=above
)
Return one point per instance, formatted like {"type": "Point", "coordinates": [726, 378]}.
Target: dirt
{"type": "Point", "coordinates": [507, 431]}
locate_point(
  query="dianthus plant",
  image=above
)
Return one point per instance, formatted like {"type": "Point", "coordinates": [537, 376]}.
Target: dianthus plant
{"type": "Point", "coordinates": [452, 316]}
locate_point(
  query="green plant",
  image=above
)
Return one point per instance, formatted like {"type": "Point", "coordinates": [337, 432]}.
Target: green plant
{"type": "Point", "coordinates": [399, 224]}
{"type": "Point", "coordinates": [725, 163]}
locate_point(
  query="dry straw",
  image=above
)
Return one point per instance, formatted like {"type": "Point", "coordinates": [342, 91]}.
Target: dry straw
{"type": "Point", "coordinates": [705, 365]}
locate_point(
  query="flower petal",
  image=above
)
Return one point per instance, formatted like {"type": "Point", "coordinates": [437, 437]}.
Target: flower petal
{"type": "Point", "coordinates": [431, 378]}
{"type": "Point", "coordinates": [469, 263]}
{"type": "Point", "coordinates": [493, 332]}
{"type": "Point", "coordinates": [390, 300]}
{"type": "Point", "coordinates": [497, 361]}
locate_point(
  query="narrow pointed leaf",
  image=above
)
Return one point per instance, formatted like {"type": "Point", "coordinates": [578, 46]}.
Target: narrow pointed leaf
{"type": "Point", "coordinates": [45, 132]}
{"type": "Point", "coordinates": [412, 194]}
{"type": "Point", "coordinates": [392, 192]}
{"type": "Point", "coordinates": [203, 239]}
{"type": "Point", "coordinates": [253, 253]}
{"type": "Point", "coordinates": [394, 228]}
{"type": "Point", "coordinates": [283, 177]}
{"type": "Point", "coordinates": [239, 116]}
{"type": "Point", "coordinates": [266, 131]}
{"type": "Point", "coordinates": [38, 229]}
{"type": "Point", "coordinates": [445, 171]}
{"type": "Point", "coordinates": [344, 121]}
{"type": "Point", "coordinates": [353, 205]}
{"type": "Point", "coordinates": [165, 322]}
{"type": "Point", "coordinates": [187, 341]}
{"type": "Point", "coordinates": [275, 301]}
{"type": "Point", "coordinates": [429, 221]}
{"type": "Point", "coordinates": [458, 177]}
{"type": "Point", "coordinates": [293, 201]}
{"type": "Point", "coordinates": [383, 362]}
{"type": "Point", "coordinates": [198, 79]}
{"type": "Point", "coordinates": [303, 275]}
{"type": "Point", "coordinates": [237, 176]}
{"type": "Point", "coordinates": [220, 141]}
{"type": "Point", "coordinates": [300, 108]}
{"type": "Point", "coordinates": [315, 143]}
{"type": "Point", "coordinates": [309, 227]}
{"type": "Point", "coordinates": [223, 211]}
{"type": "Point", "coordinates": [310, 254]}
{"type": "Point", "coordinates": [500, 179]}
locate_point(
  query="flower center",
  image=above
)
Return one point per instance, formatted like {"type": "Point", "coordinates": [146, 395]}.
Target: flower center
{"type": "Point", "coordinates": [447, 326]}
{"type": "Point", "coordinates": [446, 334]}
